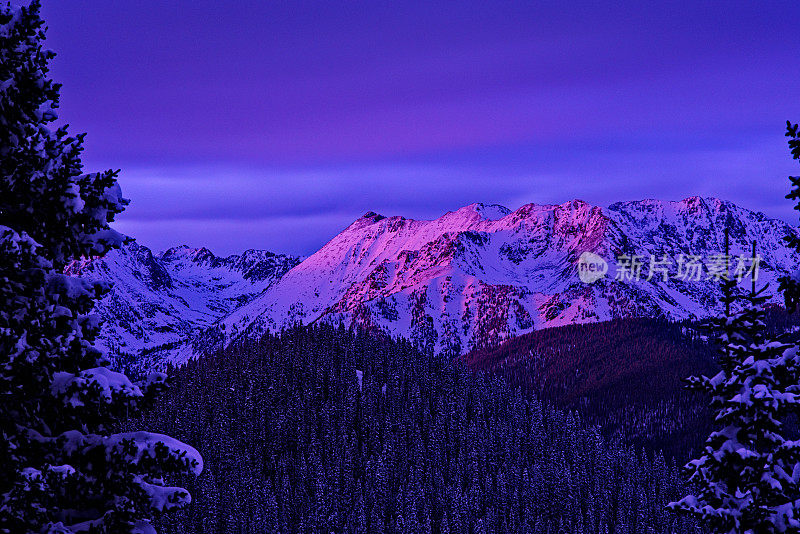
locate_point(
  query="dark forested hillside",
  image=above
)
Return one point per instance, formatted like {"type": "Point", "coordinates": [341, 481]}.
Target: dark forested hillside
{"type": "Point", "coordinates": [626, 375]}
{"type": "Point", "coordinates": [324, 430]}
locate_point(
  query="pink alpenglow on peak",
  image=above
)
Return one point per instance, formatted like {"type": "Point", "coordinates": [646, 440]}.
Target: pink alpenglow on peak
{"type": "Point", "coordinates": [484, 273]}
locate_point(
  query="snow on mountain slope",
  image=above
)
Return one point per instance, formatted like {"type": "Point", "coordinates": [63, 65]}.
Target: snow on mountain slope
{"type": "Point", "coordinates": [158, 302]}
{"type": "Point", "coordinates": [482, 273]}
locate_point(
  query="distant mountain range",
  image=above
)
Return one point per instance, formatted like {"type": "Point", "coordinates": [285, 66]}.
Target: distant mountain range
{"type": "Point", "coordinates": [161, 301]}
{"type": "Point", "coordinates": [471, 278]}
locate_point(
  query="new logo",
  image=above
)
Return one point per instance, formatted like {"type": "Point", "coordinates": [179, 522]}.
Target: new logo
{"type": "Point", "coordinates": [591, 267]}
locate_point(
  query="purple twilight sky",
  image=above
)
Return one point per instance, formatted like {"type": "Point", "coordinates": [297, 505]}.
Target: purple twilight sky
{"type": "Point", "coordinates": [254, 124]}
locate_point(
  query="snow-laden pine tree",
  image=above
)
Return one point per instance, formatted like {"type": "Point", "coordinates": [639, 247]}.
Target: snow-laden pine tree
{"type": "Point", "coordinates": [747, 479]}
{"type": "Point", "coordinates": [790, 285]}
{"type": "Point", "coordinates": [62, 469]}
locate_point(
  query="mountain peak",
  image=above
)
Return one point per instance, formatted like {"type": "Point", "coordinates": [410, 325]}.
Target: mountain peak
{"type": "Point", "coordinates": [180, 252]}
{"type": "Point", "coordinates": [375, 217]}
{"type": "Point", "coordinates": [709, 202]}
{"type": "Point", "coordinates": [579, 206]}
{"type": "Point", "coordinates": [472, 277]}
{"type": "Point", "coordinates": [489, 212]}
{"type": "Point", "coordinates": [481, 273]}
{"type": "Point", "coordinates": [576, 203]}
{"type": "Point", "coordinates": [157, 303]}
{"type": "Point", "coordinates": [691, 201]}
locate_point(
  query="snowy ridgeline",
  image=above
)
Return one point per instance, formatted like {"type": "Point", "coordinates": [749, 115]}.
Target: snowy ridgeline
{"type": "Point", "coordinates": [482, 274]}
{"type": "Point", "coordinates": [474, 276]}
{"type": "Point", "coordinates": [158, 302]}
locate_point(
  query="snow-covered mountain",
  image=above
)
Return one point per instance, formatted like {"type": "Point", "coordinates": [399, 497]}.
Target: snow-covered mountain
{"type": "Point", "coordinates": [160, 301]}
{"type": "Point", "coordinates": [484, 273]}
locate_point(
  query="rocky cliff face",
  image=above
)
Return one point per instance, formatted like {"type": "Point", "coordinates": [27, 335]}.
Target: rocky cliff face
{"type": "Point", "coordinates": [483, 274]}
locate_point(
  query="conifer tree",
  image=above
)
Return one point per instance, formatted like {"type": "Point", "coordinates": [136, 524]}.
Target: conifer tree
{"type": "Point", "coordinates": [747, 479]}
{"type": "Point", "coordinates": [62, 469]}
{"type": "Point", "coordinates": [790, 285]}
